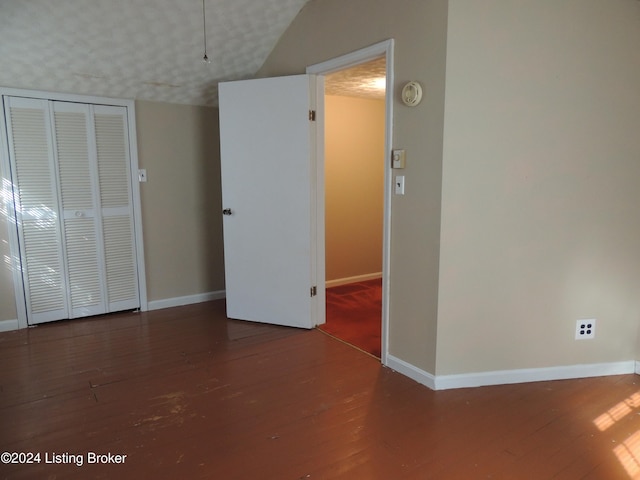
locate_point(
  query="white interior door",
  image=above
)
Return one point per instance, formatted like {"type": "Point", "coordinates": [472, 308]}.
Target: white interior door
{"type": "Point", "coordinates": [267, 143]}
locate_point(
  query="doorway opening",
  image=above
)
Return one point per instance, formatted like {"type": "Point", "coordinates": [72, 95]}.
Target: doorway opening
{"type": "Point", "coordinates": [357, 137]}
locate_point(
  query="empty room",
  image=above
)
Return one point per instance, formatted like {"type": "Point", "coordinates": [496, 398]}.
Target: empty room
{"type": "Point", "coordinates": [168, 229]}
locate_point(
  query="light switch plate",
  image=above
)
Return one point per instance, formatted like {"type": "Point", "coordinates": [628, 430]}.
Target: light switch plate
{"type": "Point", "coordinates": [398, 158]}
{"type": "Point", "coordinates": [399, 185]}
{"type": "Point", "coordinates": [142, 175]}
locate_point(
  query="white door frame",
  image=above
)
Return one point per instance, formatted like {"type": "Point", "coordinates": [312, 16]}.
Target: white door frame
{"type": "Point", "coordinates": [384, 48]}
{"type": "Point", "coordinates": [6, 193]}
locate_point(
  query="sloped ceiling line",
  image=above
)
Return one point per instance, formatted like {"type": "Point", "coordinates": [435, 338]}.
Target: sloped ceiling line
{"type": "Point", "coordinates": [141, 49]}
{"type": "Point", "coordinates": [146, 49]}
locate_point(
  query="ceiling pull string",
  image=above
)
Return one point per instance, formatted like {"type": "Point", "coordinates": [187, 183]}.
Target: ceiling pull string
{"type": "Point", "coordinates": [205, 58]}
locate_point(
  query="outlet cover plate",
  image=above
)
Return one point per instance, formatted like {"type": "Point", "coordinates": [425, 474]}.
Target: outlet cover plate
{"type": "Point", "coordinates": [585, 328]}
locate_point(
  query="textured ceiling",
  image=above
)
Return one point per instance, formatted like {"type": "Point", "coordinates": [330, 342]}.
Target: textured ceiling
{"type": "Point", "coordinates": [148, 49]}
{"type": "Point", "coordinates": [141, 49]}
{"type": "Point", "coordinates": [366, 80]}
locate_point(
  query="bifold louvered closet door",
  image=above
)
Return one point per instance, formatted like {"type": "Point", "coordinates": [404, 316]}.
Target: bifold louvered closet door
{"type": "Point", "coordinates": [72, 193]}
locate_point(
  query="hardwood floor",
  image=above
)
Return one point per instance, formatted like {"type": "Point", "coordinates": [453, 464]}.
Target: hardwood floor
{"type": "Point", "coordinates": [354, 314]}
{"type": "Point", "coordinates": [185, 393]}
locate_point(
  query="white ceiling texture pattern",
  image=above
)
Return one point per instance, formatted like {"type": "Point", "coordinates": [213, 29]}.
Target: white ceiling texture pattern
{"type": "Point", "coordinates": [140, 49]}
{"type": "Point", "coordinates": [366, 80]}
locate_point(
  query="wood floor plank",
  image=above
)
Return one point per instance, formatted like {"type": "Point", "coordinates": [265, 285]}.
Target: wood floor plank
{"type": "Point", "coordinates": [187, 393]}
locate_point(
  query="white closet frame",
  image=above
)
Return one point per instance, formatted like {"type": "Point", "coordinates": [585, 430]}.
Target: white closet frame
{"type": "Point", "coordinates": [6, 193]}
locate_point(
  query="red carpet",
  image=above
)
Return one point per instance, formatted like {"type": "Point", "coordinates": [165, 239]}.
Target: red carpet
{"type": "Point", "coordinates": [354, 314]}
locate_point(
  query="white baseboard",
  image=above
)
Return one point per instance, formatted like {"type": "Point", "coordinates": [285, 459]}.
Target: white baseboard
{"type": "Point", "coordinates": [186, 300]}
{"type": "Point", "coordinates": [358, 278]}
{"type": "Point", "coordinates": [411, 371]}
{"type": "Point", "coordinates": [503, 377]}
{"type": "Point", "coordinates": [8, 325]}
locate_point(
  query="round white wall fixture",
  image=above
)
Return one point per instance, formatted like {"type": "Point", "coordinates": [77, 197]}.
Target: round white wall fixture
{"type": "Point", "coordinates": [411, 94]}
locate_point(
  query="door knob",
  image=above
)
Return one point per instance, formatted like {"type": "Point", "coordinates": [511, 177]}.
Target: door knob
{"type": "Point", "coordinates": [226, 211]}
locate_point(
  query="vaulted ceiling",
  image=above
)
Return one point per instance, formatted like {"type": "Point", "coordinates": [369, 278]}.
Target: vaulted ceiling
{"type": "Point", "coordinates": [144, 49]}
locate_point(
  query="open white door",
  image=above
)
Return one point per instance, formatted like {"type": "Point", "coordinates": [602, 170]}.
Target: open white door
{"type": "Point", "coordinates": [268, 147]}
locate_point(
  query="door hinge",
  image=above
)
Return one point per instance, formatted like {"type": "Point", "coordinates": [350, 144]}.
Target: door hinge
{"type": "Point", "coordinates": [314, 291]}
{"type": "Point", "coordinates": [312, 115]}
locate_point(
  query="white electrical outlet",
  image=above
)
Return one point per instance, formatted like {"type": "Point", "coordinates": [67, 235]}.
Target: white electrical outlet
{"type": "Point", "coordinates": [585, 328]}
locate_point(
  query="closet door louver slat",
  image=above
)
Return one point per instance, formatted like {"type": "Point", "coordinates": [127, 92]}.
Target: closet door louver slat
{"type": "Point", "coordinates": [112, 160]}
{"type": "Point", "coordinates": [82, 248]}
{"type": "Point", "coordinates": [43, 270]}
{"type": "Point", "coordinates": [121, 274]}
{"type": "Point", "coordinates": [84, 279]}
{"type": "Point", "coordinates": [116, 208]}
{"type": "Point", "coordinates": [36, 209]}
